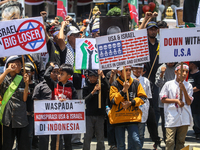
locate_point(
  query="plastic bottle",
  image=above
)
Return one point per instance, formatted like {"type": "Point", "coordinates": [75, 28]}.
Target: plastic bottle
{"type": "Point", "coordinates": [107, 109]}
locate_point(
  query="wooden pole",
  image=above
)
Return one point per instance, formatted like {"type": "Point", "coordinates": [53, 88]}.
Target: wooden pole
{"type": "Point", "coordinates": [153, 64]}
{"type": "Point", "coordinates": [90, 14]}
{"type": "Point", "coordinates": [57, 142]}
{"type": "Point", "coordinates": [125, 81]}
{"type": "Point", "coordinates": [99, 92]}
{"type": "Point", "coordinates": [181, 94]}
{"type": "Point", "coordinates": [24, 71]}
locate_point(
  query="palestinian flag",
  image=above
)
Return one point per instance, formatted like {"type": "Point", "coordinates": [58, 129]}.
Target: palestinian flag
{"type": "Point", "coordinates": [61, 9]}
{"type": "Point", "coordinates": [133, 9]}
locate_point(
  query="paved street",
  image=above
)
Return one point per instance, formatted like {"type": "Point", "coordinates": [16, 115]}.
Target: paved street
{"type": "Point", "coordinates": [148, 144]}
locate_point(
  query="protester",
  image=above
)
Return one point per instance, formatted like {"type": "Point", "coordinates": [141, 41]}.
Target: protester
{"type": "Point", "coordinates": [63, 90]}
{"type": "Point", "coordinates": [194, 79]}
{"type": "Point", "coordinates": [164, 73]}
{"type": "Point", "coordinates": [30, 70]}
{"type": "Point", "coordinates": [95, 115]}
{"type": "Point", "coordinates": [111, 77]}
{"type": "Point", "coordinates": [126, 114]}
{"type": "Point", "coordinates": [43, 92]}
{"type": "Point", "coordinates": [137, 74]}
{"type": "Point", "coordinates": [152, 30]}
{"type": "Point", "coordinates": [14, 90]}
{"type": "Point", "coordinates": [177, 112]}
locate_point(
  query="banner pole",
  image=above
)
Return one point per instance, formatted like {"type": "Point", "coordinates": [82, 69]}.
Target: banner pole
{"type": "Point", "coordinates": [125, 81]}
{"type": "Point", "coordinates": [57, 142]}
{"type": "Point", "coordinates": [24, 71]}
{"type": "Point", "coordinates": [181, 94]}
{"type": "Point", "coordinates": [153, 64]}
{"type": "Point", "coordinates": [99, 92]}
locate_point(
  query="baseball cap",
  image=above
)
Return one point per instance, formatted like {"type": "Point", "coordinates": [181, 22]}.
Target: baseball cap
{"type": "Point", "coordinates": [73, 29]}
{"type": "Point", "coordinates": [93, 73]}
{"type": "Point", "coordinates": [29, 66]}
{"type": "Point", "coordinates": [122, 67]}
{"type": "Point", "coordinates": [138, 65]}
{"type": "Point", "coordinates": [151, 24]}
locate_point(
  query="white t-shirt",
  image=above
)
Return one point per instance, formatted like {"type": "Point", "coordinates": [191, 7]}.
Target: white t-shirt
{"type": "Point", "coordinates": [175, 116]}
{"type": "Point", "coordinates": [145, 107]}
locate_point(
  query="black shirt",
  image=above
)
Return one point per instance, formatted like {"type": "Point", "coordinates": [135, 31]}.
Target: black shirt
{"type": "Point", "coordinates": [194, 79]}
{"type": "Point", "coordinates": [152, 54]}
{"type": "Point", "coordinates": [42, 91]}
{"type": "Point", "coordinates": [91, 101]}
{"type": "Point", "coordinates": [54, 53]}
{"type": "Point", "coordinates": [15, 109]}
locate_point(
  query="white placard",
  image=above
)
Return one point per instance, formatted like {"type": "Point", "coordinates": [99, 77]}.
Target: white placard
{"type": "Point", "coordinates": [123, 49]}
{"type": "Point", "coordinates": [86, 54]}
{"type": "Point", "coordinates": [55, 117]}
{"type": "Point", "coordinates": [178, 45]}
{"type": "Point", "coordinates": [22, 36]}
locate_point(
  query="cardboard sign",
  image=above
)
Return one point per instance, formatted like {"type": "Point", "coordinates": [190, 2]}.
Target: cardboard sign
{"type": "Point", "coordinates": [55, 117]}
{"type": "Point", "coordinates": [86, 54]}
{"type": "Point", "coordinates": [178, 45]}
{"type": "Point", "coordinates": [122, 49]}
{"type": "Point", "coordinates": [22, 36]}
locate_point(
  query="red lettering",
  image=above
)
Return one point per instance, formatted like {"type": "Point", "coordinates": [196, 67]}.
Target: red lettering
{"type": "Point", "coordinates": [165, 42]}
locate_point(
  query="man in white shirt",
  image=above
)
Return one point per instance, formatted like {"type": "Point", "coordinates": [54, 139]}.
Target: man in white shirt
{"type": "Point", "coordinates": [177, 112]}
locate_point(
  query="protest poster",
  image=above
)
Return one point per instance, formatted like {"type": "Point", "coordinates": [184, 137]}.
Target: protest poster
{"type": "Point", "coordinates": [122, 49]}
{"type": "Point", "coordinates": [178, 45]}
{"type": "Point", "coordinates": [22, 36]}
{"type": "Point", "coordinates": [45, 58]}
{"type": "Point", "coordinates": [55, 117]}
{"type": "Point", "coordinates": [86, 54]}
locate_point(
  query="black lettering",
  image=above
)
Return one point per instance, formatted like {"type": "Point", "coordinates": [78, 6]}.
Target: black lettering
{"type": "Point", "coordinates": [187, 40]}
{"type": "Point", "coordinates": [47, 106]}
{"type": "Point", "coordinates": [8, 30]}
{"type": "Point", "coordinates": [71, 106]}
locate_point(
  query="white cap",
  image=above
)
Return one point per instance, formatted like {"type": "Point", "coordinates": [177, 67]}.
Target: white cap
{"type": "Point", "coordinates": [138, 65]}
{"type": "Point", "coordinates": [73, 29]}
{"type": "Point", "coordinates": [122, 67]}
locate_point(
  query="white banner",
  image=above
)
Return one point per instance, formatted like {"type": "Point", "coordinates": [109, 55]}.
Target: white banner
{"type": "Point", "coordinates": [55, 117]}
{"type": "Point", "coordinates": [22, 36]}
{"type": "Point", "coordinates": [123, 49]}
{"type": "Point", "coordinates": [178, 45]}
{"type": "Point", "coordinates": [86, 54]}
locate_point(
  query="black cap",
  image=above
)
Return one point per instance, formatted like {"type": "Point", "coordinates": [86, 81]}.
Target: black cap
{"type": "Point", "coordinates": [93, 73]}
{"type": "Point", "coordinates": [151, 24]}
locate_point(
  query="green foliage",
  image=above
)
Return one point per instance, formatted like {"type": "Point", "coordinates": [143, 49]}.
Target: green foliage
{"type": "Point", "coordinates": [115, 11]}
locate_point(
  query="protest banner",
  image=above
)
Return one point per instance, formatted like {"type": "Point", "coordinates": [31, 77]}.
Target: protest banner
{"type": "Point", "coordinates": [178, 45]}
{"type": "Point", "coordinates": [22, 36]}
{"type": "Point", "coordinates": [86, 54]}
{"type": "Point", "coordinates": [122, 49]}
{"type": "Point", "coordinates": [55, 117]}
{"type": "Point", "coordinates": [45, 58]}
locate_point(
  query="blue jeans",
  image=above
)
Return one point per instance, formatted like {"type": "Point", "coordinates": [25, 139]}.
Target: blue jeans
{"type": "Point", "coordinates": [133, 137]}
{"type": "Point", "coordinates": [141, 128]}
{"type": "Point", "coordinates": [196, 120]}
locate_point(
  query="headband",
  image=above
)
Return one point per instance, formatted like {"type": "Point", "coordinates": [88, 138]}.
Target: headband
{"type": "Point", "coordinates": [184, 67]}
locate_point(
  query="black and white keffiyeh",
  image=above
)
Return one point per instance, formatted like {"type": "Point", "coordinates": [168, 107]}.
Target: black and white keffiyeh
{"type": "Point", "coordinates": [69, 55]}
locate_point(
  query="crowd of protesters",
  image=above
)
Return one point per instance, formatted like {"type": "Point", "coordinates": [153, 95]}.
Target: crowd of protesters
{"type": "Point", "coordinates": [153, 91]}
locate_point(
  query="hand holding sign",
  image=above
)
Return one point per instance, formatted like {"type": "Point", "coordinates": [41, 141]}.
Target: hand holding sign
{"type": "Point", "coordinates": [126, 86]}
{"type": "Point", "coordinates": [26, 78]}
{"type": "Point", "coordinates": [126, 104]}
{"type": "Point", "coordinates": [180, 103]}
